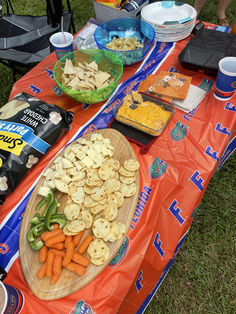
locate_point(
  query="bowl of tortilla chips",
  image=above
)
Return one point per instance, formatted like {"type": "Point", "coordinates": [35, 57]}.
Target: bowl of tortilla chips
{"type": "Point", "coordinates": [88, 75]}
{"type": "Point", "coordinates": [129, 38]}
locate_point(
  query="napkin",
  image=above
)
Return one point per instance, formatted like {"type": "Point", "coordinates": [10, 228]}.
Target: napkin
{"type": "Point", "coordinates": [194, 97]}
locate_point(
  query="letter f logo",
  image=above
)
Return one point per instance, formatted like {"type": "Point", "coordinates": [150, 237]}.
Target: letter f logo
{"type": "Point", "coordinates": [138, 281]}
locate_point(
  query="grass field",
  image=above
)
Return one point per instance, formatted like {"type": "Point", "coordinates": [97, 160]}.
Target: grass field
{"type": "Point", "coordinates": [202, 278]}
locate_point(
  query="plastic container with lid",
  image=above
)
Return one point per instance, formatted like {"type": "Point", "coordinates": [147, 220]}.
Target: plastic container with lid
{"type": "Point", "coordinates": [151, 115]}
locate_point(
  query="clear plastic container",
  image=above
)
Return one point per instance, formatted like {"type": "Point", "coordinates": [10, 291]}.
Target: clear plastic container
{"type": "Point", "coordinates": [130, 115]}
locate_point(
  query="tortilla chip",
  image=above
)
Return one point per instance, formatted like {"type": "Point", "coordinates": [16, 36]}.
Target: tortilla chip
{"type": "Point", "coordinates": [69, 67]}
{"type": "Point", "coordinates": [74, 83]}
{"type": "Point", "coordinates": [101, 78]}
{"type": "Point", "coordinates": [93, 66]}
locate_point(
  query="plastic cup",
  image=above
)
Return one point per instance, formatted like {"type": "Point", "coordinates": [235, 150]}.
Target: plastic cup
{"type": "Point", "coordinates": [226, 79]}
{"type": "Point", "coordinates": [62, 43]}
{"type": "Point", "coordinates": [11, 299]}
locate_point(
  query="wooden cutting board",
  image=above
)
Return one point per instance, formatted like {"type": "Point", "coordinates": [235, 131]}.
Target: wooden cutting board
{"type": "Point", "coordinates": [70, 282]}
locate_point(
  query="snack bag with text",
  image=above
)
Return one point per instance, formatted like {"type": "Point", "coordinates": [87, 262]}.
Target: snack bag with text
{"type": "Point", "coordinates": [28, 128]}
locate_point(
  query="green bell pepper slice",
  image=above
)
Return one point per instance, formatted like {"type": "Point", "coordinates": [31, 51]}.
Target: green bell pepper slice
{"type": "Point", "coordinates": [36, 245]}
{"type": "Point", "coordinates": [51, 210]}
{"type": "Point", "coordinates": [60, 219]}
{"type": "Point", "coordinates": [35, 231]}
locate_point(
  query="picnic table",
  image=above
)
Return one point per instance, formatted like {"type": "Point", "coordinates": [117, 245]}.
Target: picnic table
{"type": "Point", "coordinates": [174, 175]}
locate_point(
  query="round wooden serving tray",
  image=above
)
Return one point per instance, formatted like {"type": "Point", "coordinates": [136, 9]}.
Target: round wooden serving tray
{"type": "Point", "coordinates": [69, 282]}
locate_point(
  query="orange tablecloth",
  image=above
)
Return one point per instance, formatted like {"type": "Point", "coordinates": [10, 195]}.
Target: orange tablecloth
{"type": "Point", "coordinates": [174, 176]}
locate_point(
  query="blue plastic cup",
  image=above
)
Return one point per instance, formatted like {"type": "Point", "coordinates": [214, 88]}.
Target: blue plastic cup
{"type": "Point", "coordinates": [62, 43]}
{"type": "Point", "coordinates": [11, 299]}
{"type": "Point", "coordinates": [226, 79]}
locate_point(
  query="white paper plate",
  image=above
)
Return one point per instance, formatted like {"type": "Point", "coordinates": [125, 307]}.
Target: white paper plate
{"type": "Point", "coordinates": [168, 13]}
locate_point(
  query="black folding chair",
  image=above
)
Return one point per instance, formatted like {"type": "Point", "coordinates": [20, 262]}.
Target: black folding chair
{"type": "Point", "coordinates": [24, 39]}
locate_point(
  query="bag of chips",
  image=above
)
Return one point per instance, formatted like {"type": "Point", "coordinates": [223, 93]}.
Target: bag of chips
{"type": "Point", "coordinates": [28, 128]}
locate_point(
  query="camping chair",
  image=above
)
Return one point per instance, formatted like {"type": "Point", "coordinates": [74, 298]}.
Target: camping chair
{"type": "Point", "coordinates": [24, 39]}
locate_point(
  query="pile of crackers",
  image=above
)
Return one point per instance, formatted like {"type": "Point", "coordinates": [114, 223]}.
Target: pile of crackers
{"type": "Point", "coordinates": [124, 43]}
{"type": "Point", "coordinates": [85, 77]}
{"type": "Point", "coordinates": [96, 184]}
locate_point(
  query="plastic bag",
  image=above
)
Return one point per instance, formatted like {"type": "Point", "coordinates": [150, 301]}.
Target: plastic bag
{"type": "Point", "coordinates": [28, 128]}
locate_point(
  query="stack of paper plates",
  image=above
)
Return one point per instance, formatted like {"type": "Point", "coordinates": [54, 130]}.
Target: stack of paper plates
{"type": "Point", "coordinates": [172, 20]}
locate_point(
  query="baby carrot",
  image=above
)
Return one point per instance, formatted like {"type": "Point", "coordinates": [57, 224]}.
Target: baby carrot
{"type": "Point", "coordinates": [49, 264]}
{"type": "Point", "coordinates": [84, 245]}
{"type": "Point", "coordinates": [54, 278]}
{"type": "Point", "coordinates": [54, 240]}
{"type": "Point", "coordinates": [57, 264]}
{"type": "Point", "coordinates": [55, 226]}
{"type": "Point", "coordinates": [76, 268]}
{"type": "Point", "coordinates": [80, 259]}
{"type": "Point", "coordinates": [57, 252]}
{"type": "Point", "coordinates": [58, 246]}
{"type": "Point", "coordinates": [77, 238]}
{"type": "Point", "coordinates": [69, 253]}
{"type": "Point", "coordinates": [50, 234]}
{"type": "Point", "coordinates": [67, 240]}
{"type": "Point", "coordinates": [43, 254]}
{"type": "Point", "coordinates": [42, 271]}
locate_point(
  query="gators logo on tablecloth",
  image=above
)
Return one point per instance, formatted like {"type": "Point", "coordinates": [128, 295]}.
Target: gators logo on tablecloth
{"type": "Point", "coordinates": [179, 131]}
{"type": "Point", "coordinates": [81, 307]}
{"type": "Point", "coordinates": [121, 254]}
{"type": "Point", "coordinates": [157, 168]}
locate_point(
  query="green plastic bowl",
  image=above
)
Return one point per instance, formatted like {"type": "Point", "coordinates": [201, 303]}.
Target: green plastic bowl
{"type": "Point", "coordinates": [107, 62]}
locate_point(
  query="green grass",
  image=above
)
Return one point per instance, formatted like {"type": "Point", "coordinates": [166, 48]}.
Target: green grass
{"type": "Point", "coordinates": [202, 278]}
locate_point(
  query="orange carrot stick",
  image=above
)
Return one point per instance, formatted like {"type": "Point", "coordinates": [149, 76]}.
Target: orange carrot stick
{"type": "Point", "coordinates": [58, 246]}
{"type": "Point", "coordinates": [43, 254]}
{"type": "Point", "coordinates": [50, 234]}
{"type": "Point", "coordinates": [76, 268]}
{"type": "Point", "coordinates": [57, 265]}
{"type": "Point", "coordinates": [67, 240]}
{"type": "Point", "coordinates": [57, 252]}
{"type": "Point", "coordinates": [84, 245]}
{"type": "Point", "coordinates": [42, 271]}
{"type": "Point", "coordinates": [54, 278]}
{"type": "Point", "coordinates": [80, 259]}
{"type": "Point", "coordinates": [77, 238]}
{"type": "Point", "coordinates": [49, 263]}
{"type": "Point", "coordinates": [69, 253]}
{"type": "Point", "coordinates": [55, 226]}
{"type": "Point", "coordinates": [54, 240]}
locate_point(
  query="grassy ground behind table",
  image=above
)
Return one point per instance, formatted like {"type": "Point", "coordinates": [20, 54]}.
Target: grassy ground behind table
{"type": "Point", "coordinates": [202, 278]}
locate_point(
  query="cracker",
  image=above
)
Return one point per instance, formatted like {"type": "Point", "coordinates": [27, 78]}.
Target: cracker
{"type": "Point", "coordinates": [122, 228]}
{"type": "Point", "coordinates": [61, 186]}
{"type": "Point", "coordinates": [67, 232]}
{"type": "Point", "coordinates": [125, 173]}
{"type": "Point", "coordinates": [101, 260]}
{"type": "Point", "coordinates": [97, 248]}
{"type": "Point", "coordinates": [78, 195]}
{"type": "Point", "coordinates": [114, 233]}
{"type": "Point", "coordinates": [72, 211]}
{"type": "Point", "coordinates": [101, 228]}
{"type": "Point", "coordinates": [97, 208]}
{"type": "Point", "coordinates": [110, 212]}
{"type": "Point", "coordinates": [111, 185]}
{"type": "Point", "coordinates": [114, 163]}
{"type": "Point", "coordinates": [119, 198]}
{"type": "Point", "coordinates": [131, 165]}
{"type": "Point", "coordinates": [92, 175]}
{"type": "Point", "coordinates": [106, 172]}
{"type": "Point", "coordinates": [76, 226]}
{"type": "Point", "coordinates": [87, 218]}
{"type": "Point", "coordinates": [89, 202]}
{"type": "Point", "coordinates": [127, 180]}
{"type": "Point", "coordinates": [98, 193]}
